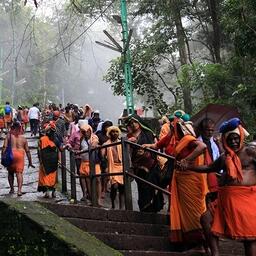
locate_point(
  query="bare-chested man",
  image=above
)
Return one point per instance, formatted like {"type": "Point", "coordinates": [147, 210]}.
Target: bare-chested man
{"type": "Point", "coordinates": [114, 159]}
{"type": "Point", "coordinates": [234, 215]}
{"type": "Point", "coordinates": [19, 146]}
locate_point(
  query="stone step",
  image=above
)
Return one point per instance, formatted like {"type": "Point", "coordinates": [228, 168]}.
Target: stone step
{"type": "Point", "coordinates": [134, 242]}
{"type": "Point", "coordinates": [117, 227]}
{"type": "Point", "coordinates": [159, 253]}
{"type": "Point", "coordinates": [132, 233]}
{"type": "Point", "coordinates": [88, 212]}
{"type": "Point", "coordinates": [230, 247]}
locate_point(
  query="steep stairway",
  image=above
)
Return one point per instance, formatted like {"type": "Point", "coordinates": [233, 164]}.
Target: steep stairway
{"type": "Point", "coordinates": [132, 233]}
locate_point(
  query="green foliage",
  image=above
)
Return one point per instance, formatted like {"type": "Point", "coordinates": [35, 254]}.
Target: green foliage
{"type": "Point", "coordinates": [239, 22]}
{"type": "Point", "coordinates": [143, 82]}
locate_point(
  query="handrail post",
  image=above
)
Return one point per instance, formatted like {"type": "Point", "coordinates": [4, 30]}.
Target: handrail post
{"type": "Point", "coordinates": [127, 179]}
{"type": "Point", "coordinates": [93, 180]}
{"type": "Point", "coordinates": [63, 172]}
{"type": "Point", "coordinates": [73, 176]}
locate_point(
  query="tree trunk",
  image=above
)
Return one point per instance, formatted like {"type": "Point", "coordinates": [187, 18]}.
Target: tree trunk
{"type": "Point", "coordinates": [213, 6]}
{"type": "Point", "coordinates": [181, 38]}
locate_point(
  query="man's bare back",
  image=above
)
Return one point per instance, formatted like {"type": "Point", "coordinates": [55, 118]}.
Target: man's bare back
{"type": "Point", "coordinates": [19, 142]}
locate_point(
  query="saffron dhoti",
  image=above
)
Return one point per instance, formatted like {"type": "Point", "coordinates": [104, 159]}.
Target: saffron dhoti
{"type": "Point", "coordinates": [85, 168]}
{"type": "Point", "coordinates": [235, 215]}
{"type": "Point", "coordinates": [18, 161]}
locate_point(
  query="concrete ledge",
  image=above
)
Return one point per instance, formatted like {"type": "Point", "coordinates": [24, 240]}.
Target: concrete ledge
{"type": "Point", "coordinates": [27, 228]}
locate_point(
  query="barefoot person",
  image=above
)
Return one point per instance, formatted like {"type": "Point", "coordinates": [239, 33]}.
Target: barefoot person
{"type": "Point", "coordinates": [48, 157]}
{"type": "Point", "coordinates": [144, 165]}
{"type": "Point", "coordinates": [89, 141]}
{"type": "Point", "coordinates": [19, 146]}
{"type": "Point", "coordinates": [188, 191]}
{"type": "Point", "coordinates": [212, 152]}
{"type": "Point", "coordinates": [234, 215]}
{"type": "Point", "coordinates": [114, 159]}
{"type": "Point", "coordinates": [8, 115]}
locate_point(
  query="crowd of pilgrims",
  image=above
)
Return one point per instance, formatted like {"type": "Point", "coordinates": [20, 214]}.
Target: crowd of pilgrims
{"type": "Point", "coordinates": [211, 179]}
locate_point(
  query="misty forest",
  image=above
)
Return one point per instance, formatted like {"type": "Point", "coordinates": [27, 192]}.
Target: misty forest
{"type": "Point", "coordinates": [185, 54]}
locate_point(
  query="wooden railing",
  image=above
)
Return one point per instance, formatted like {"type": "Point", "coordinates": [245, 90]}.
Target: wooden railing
{"type": "Point", "coordinates": [127, 174]}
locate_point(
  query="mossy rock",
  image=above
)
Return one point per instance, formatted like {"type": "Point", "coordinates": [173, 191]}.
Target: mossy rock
{"type": "Point", "coordinates": [28, 229]}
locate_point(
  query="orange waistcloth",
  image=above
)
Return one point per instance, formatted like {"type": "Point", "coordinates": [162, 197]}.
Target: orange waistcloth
{"type": "Point", "coordinates": [188, 190]}
{"type": "Point", "coordinates": [8, 118]}
{"type": "Point", "coordinates": [2, 123]}
{"type": "Point", "coordinates": [85, 168]}
{"type": "Point", "coordinates": [116, 167]}
{"type": "Point", "coordinates": [25, 119]}
{"type": "Point", "coordinates": [18, 161]}
{"type": "Point", "coordinates": [45, 180]}
{"type": "Point", "coordinates": [235, 215]}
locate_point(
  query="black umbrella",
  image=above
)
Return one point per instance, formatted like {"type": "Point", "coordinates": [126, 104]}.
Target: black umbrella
{"type": "Point", "coordinates": [217, 112]}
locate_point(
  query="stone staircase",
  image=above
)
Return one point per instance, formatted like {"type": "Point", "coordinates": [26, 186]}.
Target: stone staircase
{"type": "Point", "coordinates": [132, 233]}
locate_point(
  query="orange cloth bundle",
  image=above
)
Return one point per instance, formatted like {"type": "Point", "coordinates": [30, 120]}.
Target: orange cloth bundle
{"type": "Point", "coordinates": [18, 160]}
{"type": "Point", "coordinates": [235, 215]}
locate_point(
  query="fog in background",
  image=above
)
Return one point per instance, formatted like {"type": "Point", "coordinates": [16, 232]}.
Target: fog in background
{"type": "Point", "coordinates": [93, 90]}
{"type": "Point", "coordinates": [94, 62]}
{"type": "Point", "coordinates": [39, 66]}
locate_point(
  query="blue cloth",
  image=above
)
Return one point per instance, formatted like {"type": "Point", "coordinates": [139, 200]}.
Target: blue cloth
{"type": "Point", "coordinates": [230, 125]}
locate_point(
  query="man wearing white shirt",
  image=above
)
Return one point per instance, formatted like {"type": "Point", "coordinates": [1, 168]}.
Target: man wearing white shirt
{"type": "Point", "coordinates": [34, 115]}
{"type": "Point", "coordinates": [212, 152]}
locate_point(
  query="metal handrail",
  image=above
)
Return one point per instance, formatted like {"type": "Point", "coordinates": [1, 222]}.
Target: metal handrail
{"type": "Point", "coordinates": [98, 147]}
{"type": "Point", "coordinates": [150, 150]}
{"type": "Point", "coordinates": [128, 142]}
{"type": "Point", "coordinates": [73, 175]}
{"type": "Point", "coordinates": [147, 182]}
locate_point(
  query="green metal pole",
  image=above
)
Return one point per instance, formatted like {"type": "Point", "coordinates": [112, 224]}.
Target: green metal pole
{"type": "Point", "coordinates": [1, 71]}
{"type": "Point", "coordinates": [13, 75]}
{"type": "Point", "coordinates": [127, 60]}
